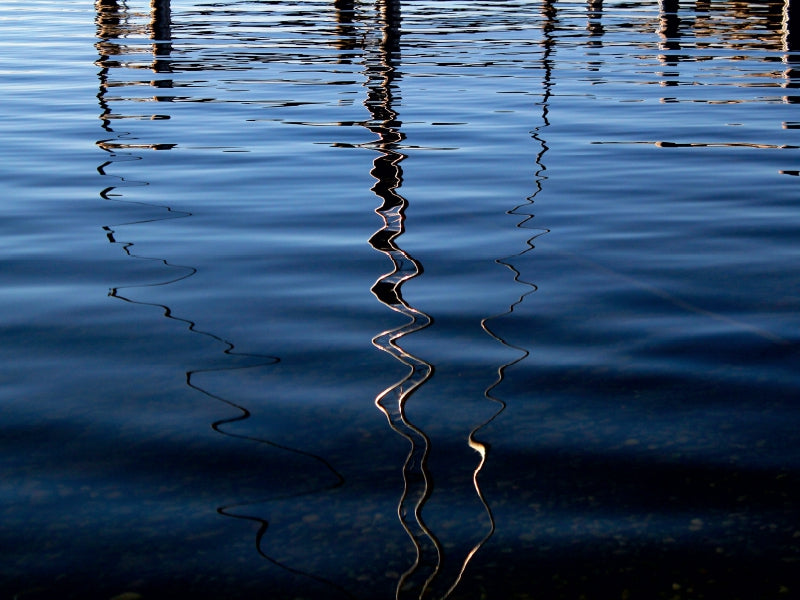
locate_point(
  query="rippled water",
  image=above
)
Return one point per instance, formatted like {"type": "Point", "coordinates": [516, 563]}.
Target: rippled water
{"type": "Point", "coordinates": [399, 299]}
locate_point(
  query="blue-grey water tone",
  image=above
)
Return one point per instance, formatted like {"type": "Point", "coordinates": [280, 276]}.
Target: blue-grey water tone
{"type": "Point", "coordinates": [356, 299]}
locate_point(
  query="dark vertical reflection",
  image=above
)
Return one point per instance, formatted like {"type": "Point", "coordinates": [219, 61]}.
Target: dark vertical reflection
{"type": "Point", "coordinates": [669, 33]}
{"type": "Point", "coordinates": [669, 24]}
{"type": "Point", "coordinates": [595, 29]}
{"type": "Point", "coordinates": [111, 19]}
{"type": "Point", "coordinates": [161, 34]}
{"type": "Point", "coordinates": [791, 48]}
{"type": "Point", "coordinates": [594, 21]}
{"type": "Point", "coordinates": [381, 71]}
{"type": "Point", "coordinates": [345, 28]}
{"type": "Point", "coordinates": [114, 24]}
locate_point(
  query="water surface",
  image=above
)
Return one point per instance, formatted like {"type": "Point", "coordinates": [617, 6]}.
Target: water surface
{"type": "Point", "coordinates": [392, 300]}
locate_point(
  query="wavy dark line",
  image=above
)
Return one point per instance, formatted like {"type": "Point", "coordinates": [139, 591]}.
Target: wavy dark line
{"type": "Point", "coordinates": [112, 21]}
{"type": "Point", "coordinates": [483, 448]}
{"type": "Point", "coordinates": [262, 530]}
{"type": "Point", "coordinates": [244, 413]}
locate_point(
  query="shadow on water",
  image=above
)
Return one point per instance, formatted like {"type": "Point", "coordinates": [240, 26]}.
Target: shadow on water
{"type": "Point", "coordinates": [114, 24]}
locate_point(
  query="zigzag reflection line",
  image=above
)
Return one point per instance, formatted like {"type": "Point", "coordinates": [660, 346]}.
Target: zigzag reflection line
{"type": "Point", "coordinates": [246, 414]}
{"type": "Point", "coordinates": [113, 21]}
{"type": "Point", "coordinates": [539, 177]}
{"type": "Point", "coordinates": [263, 526]}
{"type": "Point", "coordinates": [482, 448]}
{"type": "Point", "coordinates": [387, 289]}
{"type": "Point", "coordinates": [217, 426]}
{"type": "Point", "coordinates": [392, 403]}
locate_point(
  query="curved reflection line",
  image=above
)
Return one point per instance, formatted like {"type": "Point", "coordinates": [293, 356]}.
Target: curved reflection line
{"type": "Point", "coordinates": [218, 426]}
{"type": "Point", "coordinates": [227, 510]}
{"type": "Point", "coordinates": [380, 71]}
{"type": "Point", "coordinates": [482, 448]}
{"type": "Point", "coordinates": [548, 45]}
{"type": "Point", "coordinates": [113, 22]}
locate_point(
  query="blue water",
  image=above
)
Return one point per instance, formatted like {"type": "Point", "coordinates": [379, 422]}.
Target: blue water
{"type": "Point", "coordinates": [399, 299]}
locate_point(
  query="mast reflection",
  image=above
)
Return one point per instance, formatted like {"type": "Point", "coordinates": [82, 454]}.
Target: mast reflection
{"type": "Point", "coordinates": [669, 34]}
{"type": "Point", "coordinates": [427, 577]}
{"type": "Point", "coordinates": [114, 23]}
{"type": "Point", "coordinates": [381, 71]}
{"type": "Point", "coordinates": [594, 22]}
{"type": "Point", "coordinates": [111, 20]}
{"type": "Point", "coordinates": [791, 48]}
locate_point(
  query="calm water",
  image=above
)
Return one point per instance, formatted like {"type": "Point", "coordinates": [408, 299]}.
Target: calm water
{"type": "Point", "coordinates": [470, 300]}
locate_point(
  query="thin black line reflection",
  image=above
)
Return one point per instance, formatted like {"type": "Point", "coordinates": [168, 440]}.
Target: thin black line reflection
{"type": "Point", "coordinates": [549, 25]}
{"type": "Point", "coordinates": [114, 23]}
{"type": "Point", "coordinates": [550, 22]}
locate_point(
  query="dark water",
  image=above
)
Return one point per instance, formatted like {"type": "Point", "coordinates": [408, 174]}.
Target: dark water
{"type": "Point", "coordinates": [399, 299]}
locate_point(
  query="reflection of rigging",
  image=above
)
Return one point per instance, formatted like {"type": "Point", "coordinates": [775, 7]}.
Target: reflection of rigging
{"type": "Point", "coordinates": [548, 45]}
{"type": "Point", "coordinates": [114, 22]}
{"type": "Point", "coordinates": [550, 15]}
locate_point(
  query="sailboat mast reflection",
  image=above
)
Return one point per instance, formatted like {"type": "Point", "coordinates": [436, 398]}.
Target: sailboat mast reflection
{"type": "Point", "coordinates": [381, 72]}
{"type": "Point", "coordinates": [791, 48]}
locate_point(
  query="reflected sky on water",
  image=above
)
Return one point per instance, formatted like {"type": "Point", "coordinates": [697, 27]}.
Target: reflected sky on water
{"type": "Point", "coordinates": [399, 300]}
